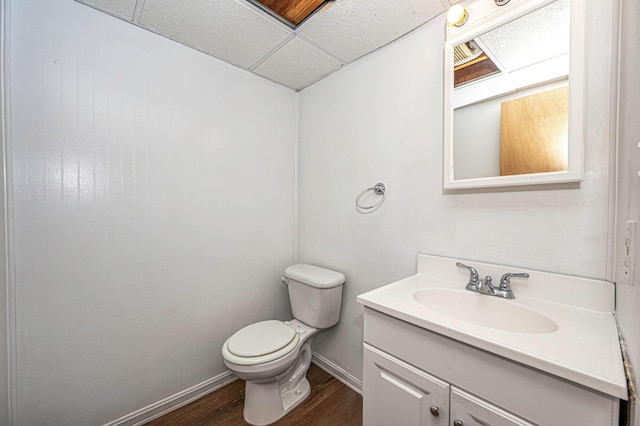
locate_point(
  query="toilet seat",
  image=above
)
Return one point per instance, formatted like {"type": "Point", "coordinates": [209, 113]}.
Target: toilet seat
{"type": "Point", "coordinates": [260, 342]}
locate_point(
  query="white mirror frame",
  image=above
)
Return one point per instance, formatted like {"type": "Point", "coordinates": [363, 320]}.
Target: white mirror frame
{"type": "Point", "coordinates": [485, 16]}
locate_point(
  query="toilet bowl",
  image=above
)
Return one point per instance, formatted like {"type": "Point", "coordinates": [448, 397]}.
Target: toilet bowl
{"type": "Point", "coordinates": [273, 356]}
{"type": "Point", "coordinates": [276, 381]}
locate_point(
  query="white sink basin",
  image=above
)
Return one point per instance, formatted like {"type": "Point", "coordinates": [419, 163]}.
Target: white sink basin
{"type": "Point", "coordinates": [484, 310]}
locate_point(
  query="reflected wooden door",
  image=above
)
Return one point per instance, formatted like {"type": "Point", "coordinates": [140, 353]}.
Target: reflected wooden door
{"type": "Point", "coordinates": [534, 133]}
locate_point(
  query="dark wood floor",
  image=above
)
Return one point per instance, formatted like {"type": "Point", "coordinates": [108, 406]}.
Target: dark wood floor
{"type": "Point", "coordinates": [330, 403]}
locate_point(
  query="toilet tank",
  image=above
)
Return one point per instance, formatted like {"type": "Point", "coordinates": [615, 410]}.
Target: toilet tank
{"type": "Point", "coordinates": [315, 294]}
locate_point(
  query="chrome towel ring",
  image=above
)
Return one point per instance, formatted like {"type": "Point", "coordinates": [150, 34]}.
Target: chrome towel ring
{"type": "Point", "coordinates": [379, 189]}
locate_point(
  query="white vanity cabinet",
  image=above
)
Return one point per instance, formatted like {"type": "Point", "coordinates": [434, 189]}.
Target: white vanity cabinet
{"type": "Point", "coordinates": [413, 376]}
{"type": "Point", "coordinates": [549, 357]}
{"type": "Point", "coordinates": [397, 393]}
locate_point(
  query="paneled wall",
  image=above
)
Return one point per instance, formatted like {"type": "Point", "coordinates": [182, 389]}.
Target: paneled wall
{"type": "Point", "coordinates": [154, 211]}
{"type": "Point", "coordinates": [4, 288]}
{"type": "Point", "coordinates": [627, 293]}
{"type": "Point", "coordinates": [380, 120]}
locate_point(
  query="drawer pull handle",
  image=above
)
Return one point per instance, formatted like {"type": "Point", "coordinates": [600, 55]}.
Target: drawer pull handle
{"type": "Point", "coordinates": [458, 423]}
{"type": "Point", "coordinates": [435, 411]}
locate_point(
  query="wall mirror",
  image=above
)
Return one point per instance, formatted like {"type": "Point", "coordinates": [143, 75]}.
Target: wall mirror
{"type": "Point", "coordinates": [513, 97]}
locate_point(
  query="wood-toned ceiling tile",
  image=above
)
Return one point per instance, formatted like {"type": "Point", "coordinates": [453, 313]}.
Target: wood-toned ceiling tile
{"type": "Point", "coordinates": [350, 29]}
{"type": "Point", "coordinates": [297, 64]}
{"type": "Point", "coordinates": [121, 8]}
{"type": "Point", "coordinates": [230, 30]}
{"type": "Point", "coordinates": [294, 11]}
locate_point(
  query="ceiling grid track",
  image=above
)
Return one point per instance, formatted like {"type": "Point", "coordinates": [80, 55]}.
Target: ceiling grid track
{"type": "Point", "coordinates": [274, 50]}
{"type": "Point", "coordinates": [138, 11]}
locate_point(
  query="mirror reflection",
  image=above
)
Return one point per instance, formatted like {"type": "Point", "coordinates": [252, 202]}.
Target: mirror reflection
{"type": "Point", "coordinates": [511, 97]}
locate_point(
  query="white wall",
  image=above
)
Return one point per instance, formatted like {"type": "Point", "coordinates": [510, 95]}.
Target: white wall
{"type": "Point", "coordinates": [4, 288]}
{"type": "Point", "coordinates": [627, 294]}
{"type": "Point", "coordinates": [4, 314]}
{"type": "Point", "coordinates": [380, 120]}
{"type": "Point", "coordinates": [4, 321]}
{"type": "Point", "coordinates": [476, 136]}
{"type": "Point", "coordinates": [154, 210]}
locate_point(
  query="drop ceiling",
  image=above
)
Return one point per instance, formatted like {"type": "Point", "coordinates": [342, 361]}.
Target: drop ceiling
{"type": "Point", "coordinates": [243, 34]}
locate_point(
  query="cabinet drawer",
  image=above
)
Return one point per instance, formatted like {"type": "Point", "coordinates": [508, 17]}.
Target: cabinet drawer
{"type": "Point", "coordinates": [467, 410]}
{"type": "Point", "coordinates": [397, 393]}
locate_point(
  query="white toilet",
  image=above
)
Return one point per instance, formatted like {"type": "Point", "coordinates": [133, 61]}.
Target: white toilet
{"type": "Point", "coordinates": [274, 356]}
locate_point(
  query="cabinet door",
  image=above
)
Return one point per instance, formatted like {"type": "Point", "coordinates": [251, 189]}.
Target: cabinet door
{"type": "Point", "coordinates": [396, 393]}
{"type": "Point", "coordinates": [467, 410]}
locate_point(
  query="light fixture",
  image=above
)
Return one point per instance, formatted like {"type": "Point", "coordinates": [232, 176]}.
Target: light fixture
{"type": "Point", "coordinates": [457, 15]}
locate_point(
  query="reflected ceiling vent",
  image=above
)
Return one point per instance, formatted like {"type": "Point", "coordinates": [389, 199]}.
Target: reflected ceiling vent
{"type": "Point", "coordinates": [471, 63]}
{"type": "Point", "coordinates": [290, 12]}
{"type": "Point", "coordinates": [466, 52]}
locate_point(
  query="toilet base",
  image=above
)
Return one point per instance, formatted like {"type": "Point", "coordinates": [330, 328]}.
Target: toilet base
{"type": "Point", "coordinates": [264, 403]}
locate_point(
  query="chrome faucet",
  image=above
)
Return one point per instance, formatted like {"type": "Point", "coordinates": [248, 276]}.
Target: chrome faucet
{"type": "Point", "coordinates": [486, 287]}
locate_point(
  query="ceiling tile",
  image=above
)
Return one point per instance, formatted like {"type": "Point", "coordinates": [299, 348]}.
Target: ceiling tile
{"type": "Point", "coordinates": [121, 8]}
{"type": "Point", "coordinates": [297, 64]}
{"type": "Point", "coordinates": [227, 29]}
{"type": "Point", "coordinates": [350, 29]}
{"type": "Point", "coordinates": [513, 46]}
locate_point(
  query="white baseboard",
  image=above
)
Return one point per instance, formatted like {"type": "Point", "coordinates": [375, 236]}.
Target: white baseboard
{"type": "Point", "coordinates": [337, 372]}
{"type": "Point", "coordinates": [186, 396]}
{"type": "Point", "coordinates": [175, 401]}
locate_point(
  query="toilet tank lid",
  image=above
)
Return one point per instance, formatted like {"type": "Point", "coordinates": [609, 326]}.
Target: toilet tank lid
{"type": "Point", "coordinates": [314, 275]}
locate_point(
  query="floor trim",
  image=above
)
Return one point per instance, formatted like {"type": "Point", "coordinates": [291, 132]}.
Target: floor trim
{"type": "Point", "coordinates": [186, 396]}
{"type": "Point", "coordinates": [337, 372]}
{"type": "Point", "coordinates": [175, 401]}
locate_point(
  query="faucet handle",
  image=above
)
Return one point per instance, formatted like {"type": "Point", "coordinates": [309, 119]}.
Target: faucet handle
{"type": "Point", "coordinates": [474, 278]}
{"type": "Point", "coordinates": [505, 281]}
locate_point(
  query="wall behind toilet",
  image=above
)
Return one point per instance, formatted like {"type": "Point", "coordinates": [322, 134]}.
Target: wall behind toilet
{"type": "Point", "coordinates": [154, 210]}
{"type": "Point", "coordinates": [380, 120]}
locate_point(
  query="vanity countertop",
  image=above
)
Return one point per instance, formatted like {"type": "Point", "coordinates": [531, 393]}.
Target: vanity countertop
{"type": "Point", "coordinates": [584, 349]}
